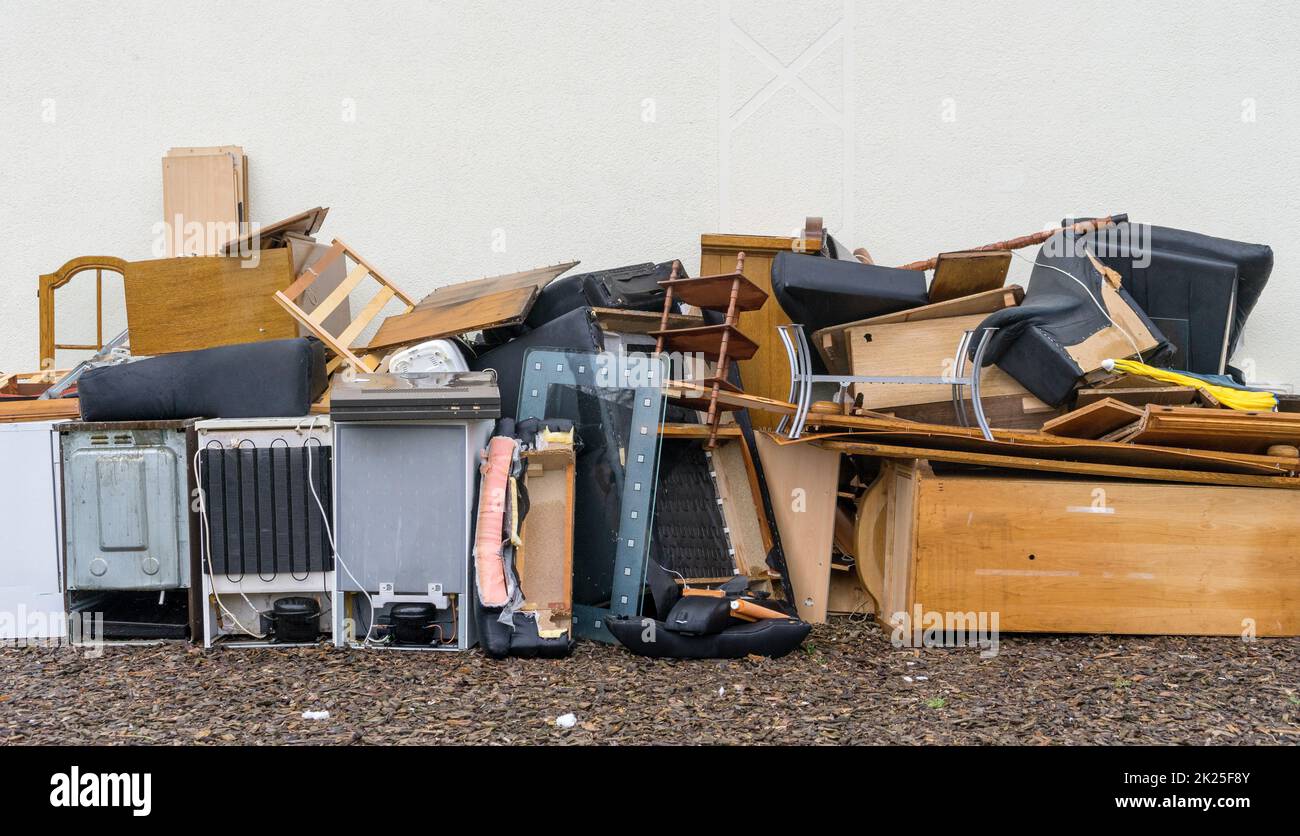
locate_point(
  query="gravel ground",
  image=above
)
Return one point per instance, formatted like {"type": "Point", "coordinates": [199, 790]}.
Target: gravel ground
{"type": "Point", "coordinates": [847, 685]}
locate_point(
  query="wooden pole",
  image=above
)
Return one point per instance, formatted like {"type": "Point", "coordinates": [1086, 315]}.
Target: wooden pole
{"type": "Point", "coordinates": [1027, 240]}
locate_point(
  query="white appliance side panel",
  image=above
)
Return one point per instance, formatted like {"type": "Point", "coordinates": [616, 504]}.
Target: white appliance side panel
{"type": "Point", "coordinates": [31, 601]}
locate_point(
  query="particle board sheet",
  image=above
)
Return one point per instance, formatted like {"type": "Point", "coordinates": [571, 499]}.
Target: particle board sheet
{"type": "Point", "coordinates": [830, 341]}
{"type": "Point", "coordinates": [767, 372]}
{"type": "Point", "coordinates": [802, 480]}
{"type": "Point", "coordinates": [922, 348]}
{"type": "Point", "coordinates": [1178, 559]}
{"type": "Point", "coordinates": [1094, 420]}
{"type": "Point", "coordinates": [1217, 429]}
{"type": "Point", "coordinates": [204, 198]}
{"type": "Point", "coordinates": [185, 304]}
{"type": "Point", "coordinates": [967, 273]}
{"type": "Point", "coordinates": [1010, 412]}
{"type": "Point", "coordinates": [739, 496]}
{"type": "Point", "coordinates": [545, 560]}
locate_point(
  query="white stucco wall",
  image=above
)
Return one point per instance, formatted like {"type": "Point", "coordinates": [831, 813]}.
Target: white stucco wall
{"type": "Point", "coordinates": [619, 131]}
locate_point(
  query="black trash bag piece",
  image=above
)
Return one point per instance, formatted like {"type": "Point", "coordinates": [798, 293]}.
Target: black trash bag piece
{"type": "Point", "coordinates": [1030, 340]}
{"type": "Point", "coordinates": [522, 640]}
{"type": "Point", "coordinates": [269, 379]}
{"type": "Point", "coordinates": [773, 637]}
{"type": "Point", "coordinates": [819, 292]}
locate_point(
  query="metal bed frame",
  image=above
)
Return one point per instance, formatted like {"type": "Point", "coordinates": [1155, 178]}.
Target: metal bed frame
{"type": "Point", "coordinates": [802, 379]}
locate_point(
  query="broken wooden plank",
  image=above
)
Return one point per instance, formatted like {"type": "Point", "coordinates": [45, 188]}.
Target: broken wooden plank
{"type": "Point", "coordinates": [1155, 474]}
{"type": "Point", "coordinates": [1011, 442]}
{"type": "Point", "coordinates": [1218, 429]}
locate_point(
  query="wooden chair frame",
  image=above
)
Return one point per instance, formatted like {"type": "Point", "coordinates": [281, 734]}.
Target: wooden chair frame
{"type": "Point", "coordinates": [51, 282]}
{"type": "Point", "coordinates": [341, 343]}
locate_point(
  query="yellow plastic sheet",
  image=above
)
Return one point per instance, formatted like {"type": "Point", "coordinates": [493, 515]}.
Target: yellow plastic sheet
{"type": "Point", "coordinates": [1226, 395]}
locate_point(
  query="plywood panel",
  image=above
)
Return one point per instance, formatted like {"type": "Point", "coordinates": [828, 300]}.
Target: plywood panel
{"type": "Point", "coordinates": [1177, 559]}
{"type": "Point", "coordinates": [184, 304]}
{"type": "Point", "coordinates": [201, 201]}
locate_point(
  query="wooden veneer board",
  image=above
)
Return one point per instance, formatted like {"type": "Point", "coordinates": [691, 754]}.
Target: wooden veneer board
{"type": "Point", "coordinates": [969, 272]}
{"type": "Point", "coordinates": [829, 342]}
{"type": "Point", "coordinates": [742, 510]}
{"type": "Point", "coordinates": [1094, 420]}
{"type": "Point", "coordinates": [1178, 559]}
{"type": "Point", "coordinates": [1011, 442]}
{"type": "Point", "coordinates": [189, 303]}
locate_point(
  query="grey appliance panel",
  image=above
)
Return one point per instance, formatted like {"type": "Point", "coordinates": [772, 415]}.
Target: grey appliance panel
{"type": "Point", "coordinates": [403, 505]}
{"type": "Point", "coordinates": [126, 510]}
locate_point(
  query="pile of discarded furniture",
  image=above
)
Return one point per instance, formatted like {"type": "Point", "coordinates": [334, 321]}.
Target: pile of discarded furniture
{"type": "Point", "coordinates": [285, 446]}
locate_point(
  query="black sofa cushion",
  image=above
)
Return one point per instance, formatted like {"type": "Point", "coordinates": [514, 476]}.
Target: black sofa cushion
{"type": "Point", "coordinates": [270, 379]}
